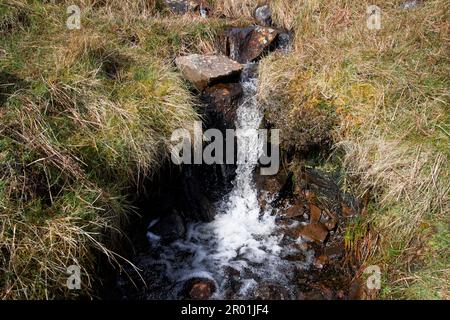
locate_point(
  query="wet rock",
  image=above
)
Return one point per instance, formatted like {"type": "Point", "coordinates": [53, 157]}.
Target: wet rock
{"type": "Point", "coordinates": [310, 295]}
{"type": "Point", "coordinates": [268, 188]}
{"type": "Point", "coordinates": [199, 289]}
{"type": "Point", "coordinates": [320, 185]}
{"type": "Point", "coordinates": [334, 252]}
{"type": "Point", "coordinates": [316, 232]}
{"type": "Point", "coordinates": [222, 100]}
{"type": "Point", "coordinates": [316, 291]}
{"type": "Point", "coordinates": [270, 291]}
{"type": "Point", "coordinates": [299, 256]}
{"type": "Point", "coordinates": [356, 291]}
{"type": "Point", "coordinates": [321, 261]}
{"type": "Point", "coordinates": [293, 211]}
{"type": "Point", "coordinates": [232, 272]}
{"type": "Point", "coordinates": [330, 220]}
{"type": "Point", "coordinates": [169, 227]}
{"type": "Point", "coordinates": [326, 292]}
{"type": "Point", "coordinates": [347, 211]}
{"type": "Point", "coordinates": [248, 44]}
{"type": "Point", "coordinates": [206, 70]}
{"type": "Point", "coordinates": [195, 187]}
{"type": "Point", "coordinates": [315, 213]}
{"type": "Point", "coordinates": [263, 15]}
{"type": "Point", "coordinates": [350, 205]}
{"type": "Point", "coordinates": [271, 184]}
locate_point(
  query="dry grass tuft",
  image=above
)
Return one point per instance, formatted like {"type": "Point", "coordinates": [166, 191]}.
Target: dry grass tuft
{"type": "Point", "coordinates": [389, 90]}
{"type": "Point", "coordinates": [86, 115]}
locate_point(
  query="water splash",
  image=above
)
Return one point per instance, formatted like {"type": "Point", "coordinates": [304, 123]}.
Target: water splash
{"type": "Point", "coordinates": [242, 237]}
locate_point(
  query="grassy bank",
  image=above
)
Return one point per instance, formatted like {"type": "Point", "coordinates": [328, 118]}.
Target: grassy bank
{"type": "Point", "coordinates": [85, 116]}
{"type": "Point", "coordinates": [381, 98]}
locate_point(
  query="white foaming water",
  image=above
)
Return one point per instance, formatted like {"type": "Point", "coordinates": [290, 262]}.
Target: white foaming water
{"type": "Point", "coordinates": [241, 237]}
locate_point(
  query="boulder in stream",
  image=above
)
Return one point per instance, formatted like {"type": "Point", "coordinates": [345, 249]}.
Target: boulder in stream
{"type": "Point", "coordinates": [199, 289]}
{"type": "Point", "coordinates": [248, 44]}
{"type": "Point", "coordinates": [222, 101]}
{"type": "Point", "coordinates": [169, 227]}
{"type": "Point", "coordinates": [206, 70]}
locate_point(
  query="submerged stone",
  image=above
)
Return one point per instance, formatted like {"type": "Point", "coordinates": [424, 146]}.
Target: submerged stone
{"type": "Point", "coordinates": [199, 289]}
{"type": "Point", "coordinates": [169, 228]}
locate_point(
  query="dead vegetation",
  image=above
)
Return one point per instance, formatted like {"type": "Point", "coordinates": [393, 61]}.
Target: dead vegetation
{"type": "Point", "coordinates": [86, 115]}
{"type": "Point", "coordinates": [388, 89]}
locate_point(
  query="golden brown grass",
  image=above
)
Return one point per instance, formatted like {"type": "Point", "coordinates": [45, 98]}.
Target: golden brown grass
{"type": "Point", "coordinates": [85, 115]}
{"type": "Point", "coordinates": [389, 89]}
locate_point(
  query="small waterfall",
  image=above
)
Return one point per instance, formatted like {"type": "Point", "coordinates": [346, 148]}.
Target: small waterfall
{"type": "Point", "coordinates": [241, 238]}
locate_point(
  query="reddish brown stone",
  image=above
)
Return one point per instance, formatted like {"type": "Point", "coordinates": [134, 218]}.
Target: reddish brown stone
{"type": "Point", "coordinates": [347, 211]}
{"type": "Point", "coordinates": [199, 289]}
{"type": "Point", "coordinates": [309, 195]}
{"type": "Point", "coordinates": [315, 213]}
{"type": "Point", "coordinates": [294, 211]}
{"type": "Point", "coordinates": [248, 44]}
{"type": "Point", "coordinates": [222, 102]}
{"type": "Point", "coordinates": [335, 251]}
{"type": "Point", "coordinates": [314, 232]}
{"type": "Point", "coordinates": [321, 261]}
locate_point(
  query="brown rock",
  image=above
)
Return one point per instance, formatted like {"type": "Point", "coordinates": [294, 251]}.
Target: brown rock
{"type": "Point", "coordinates": [356, 291]}
{"type": "Point", "coordinates": [222, 101]}
{"type": "Point", "coordinates": [309, 195]}
{"type": "Point", "coordinates": [300, 256]}
{"type": "Point", "coordinates": [329, 219]}
{"type": "Point", "coordinates": [335, 251]}
{"type": "Point", "coordinates": [248, 44]}
{"type": "Point", "coordinates": [232, 272]}
{"type": "Point", "coordinates": [347, 211]}
{"type": "Point", "coordinates": [315, 213]}
{"type": "Point", "coordinates": [321, 261]}
{"type": "Point", "coordinates": [204, 70]}
{"type": "Point", "coordinates": [199, 289]}
{"type": "Point", "coordinates": [269, 291]}
{"type": "Point", "coordinates": [331, 224]}
{"type": "Point", "coordinates": [294, 211]}
{"type": "Point", "coordinates": [314, 232]}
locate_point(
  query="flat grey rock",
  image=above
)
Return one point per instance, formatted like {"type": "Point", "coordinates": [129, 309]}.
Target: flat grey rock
{"type": "Point", "coordinates": [203, 70]}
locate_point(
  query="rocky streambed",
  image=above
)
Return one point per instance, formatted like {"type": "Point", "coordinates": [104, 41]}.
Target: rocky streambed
{"type": "Point", "coordinates": [224, 231]}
